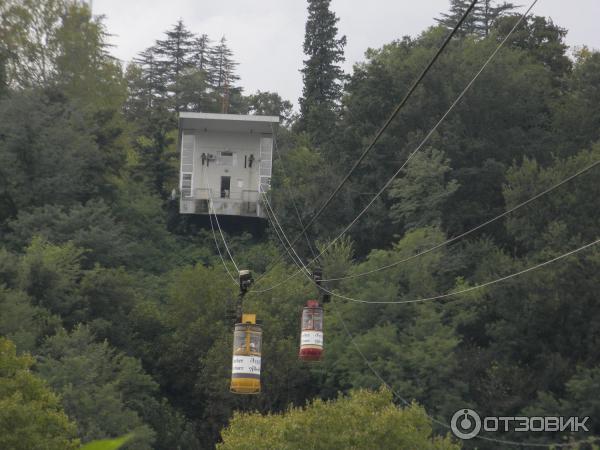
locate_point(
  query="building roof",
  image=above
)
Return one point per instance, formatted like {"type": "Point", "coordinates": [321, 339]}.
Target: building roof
{"type": "Point", "coordinates": [227, 122]}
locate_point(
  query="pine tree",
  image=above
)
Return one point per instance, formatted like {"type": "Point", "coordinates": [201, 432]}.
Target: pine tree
{"type": "Point", "coordinates": [176, 57]}
{"type": "Point", "coordinates": [223, 76]}
{"type": "Point", "coordinates": [321, 74]}
{"type": "Point", "coordinates": [196, 81]}
{"type": "Point", "coordinates": [150, 106]}
{"type": "Point", "coordinates": [451, 18]}
{"type": "Point", "coordinates": [487, 14]}
{"type": "Point", "coordinates": [202, 52]}
{"type": "Point", "coordinates": [153, 89]}
{"type": "Point", "coordinates": [480, 21]}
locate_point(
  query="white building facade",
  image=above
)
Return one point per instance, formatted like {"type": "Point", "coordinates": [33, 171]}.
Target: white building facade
{"type": "Point", "coordinates": [226, 160]}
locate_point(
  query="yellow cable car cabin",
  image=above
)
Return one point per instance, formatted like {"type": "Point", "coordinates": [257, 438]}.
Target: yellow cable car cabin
{"type": "Point", "coordinates": [245, 367]}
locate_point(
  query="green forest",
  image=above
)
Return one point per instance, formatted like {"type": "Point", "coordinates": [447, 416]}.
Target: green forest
{"type": "Point", "coordinates": [113, 306]}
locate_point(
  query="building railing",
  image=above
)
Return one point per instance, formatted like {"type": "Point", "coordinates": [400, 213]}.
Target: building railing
{"type": "Point", "coordinates": [243, 202]}
{"type": "Point", "coordinates": [246, 195]}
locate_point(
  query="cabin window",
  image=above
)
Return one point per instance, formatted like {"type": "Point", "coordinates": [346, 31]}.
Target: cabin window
{"type": "Point", "coordinates": [318, 322]}
{"type": "Point", "coordinates": [225, 187]}
{"type": "Point", "coordinates": [255, 342]}
{"type": "Point", "coordinates": [239, 342]}
{"type": "Point", "coordinates": [226, 159]}
{"type": "Point", "coordinates": [312, 320]}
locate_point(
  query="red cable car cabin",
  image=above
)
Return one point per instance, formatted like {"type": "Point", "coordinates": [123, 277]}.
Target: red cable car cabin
{"type": "Point", "coordinates": [311, 338]}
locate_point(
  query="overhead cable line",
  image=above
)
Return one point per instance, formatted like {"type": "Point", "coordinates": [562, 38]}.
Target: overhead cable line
{"type": "Point", "coordinates": [277, 227]}
{"type": "Point", "coordinates": [221, 231]}
{"type": "Point", "coordinates": [299, 217]}
{"type": "Point", "coordinates": [269, 213]}
{"type": "Point", "coordinates": [466, 233]}
{"type": "Point", "coordinates": [411, 155]}
{"type": "Point", "coordinates": [296, 210]}
{"type": "Point", "coordinates": [472, 288]}
{"type": "Point", "coordinates": [219, 249]}
{"type": "Point", "coordinates": [304, 269]}
{"type": "Point", "coordinates": [462, 235]}
{"type": "Point", "coordinates": [387, 123]}
{"type": "Point", "coordinates": [212, 208]}
{"type": "Point", "coordinates": [293, 250]}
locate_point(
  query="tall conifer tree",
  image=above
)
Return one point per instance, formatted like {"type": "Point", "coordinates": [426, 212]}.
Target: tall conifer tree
{"type": "Point", "coordinates": [223, 76]}
{"type": "Point", "coordinates": [322, 74]}
{"type": "Point", "coordinates": [152, 90]}
{"type": "Point", "coordinates": [176, 57]}
{"type": "Point", "coordinates": [202, 51]}
{"type": "Point", "coordinates": [480, 21]}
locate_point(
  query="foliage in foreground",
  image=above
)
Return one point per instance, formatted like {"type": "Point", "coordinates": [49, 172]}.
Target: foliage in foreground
{"type": "Point", "coordinates": [108, 444]}
{"type": "Point", "coordinates": [363, 419]}
{"type": "Point", "coordinates": [31, 416]}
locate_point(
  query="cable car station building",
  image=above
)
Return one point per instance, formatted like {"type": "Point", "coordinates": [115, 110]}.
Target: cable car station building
{"type": "Point", "coordinates": [226, 159]}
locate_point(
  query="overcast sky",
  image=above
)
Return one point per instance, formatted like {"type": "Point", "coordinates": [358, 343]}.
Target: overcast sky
{"type": "Point", "coordinates": [266, 35]}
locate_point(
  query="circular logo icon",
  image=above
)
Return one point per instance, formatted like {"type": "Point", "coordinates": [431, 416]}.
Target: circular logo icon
{"type": "Point", "coordinates": [465, 424]}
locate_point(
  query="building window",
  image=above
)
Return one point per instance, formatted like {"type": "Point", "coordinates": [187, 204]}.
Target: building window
{"type": "Point", "coordinates": [187, 164]}
{"type": "Point", "coordinates": [186, 184]}
{"type": "Point", "coordinates": [226, 159]}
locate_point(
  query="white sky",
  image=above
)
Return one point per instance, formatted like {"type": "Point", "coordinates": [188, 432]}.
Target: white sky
{"type": "Point", "coordinates": [266, 35]}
